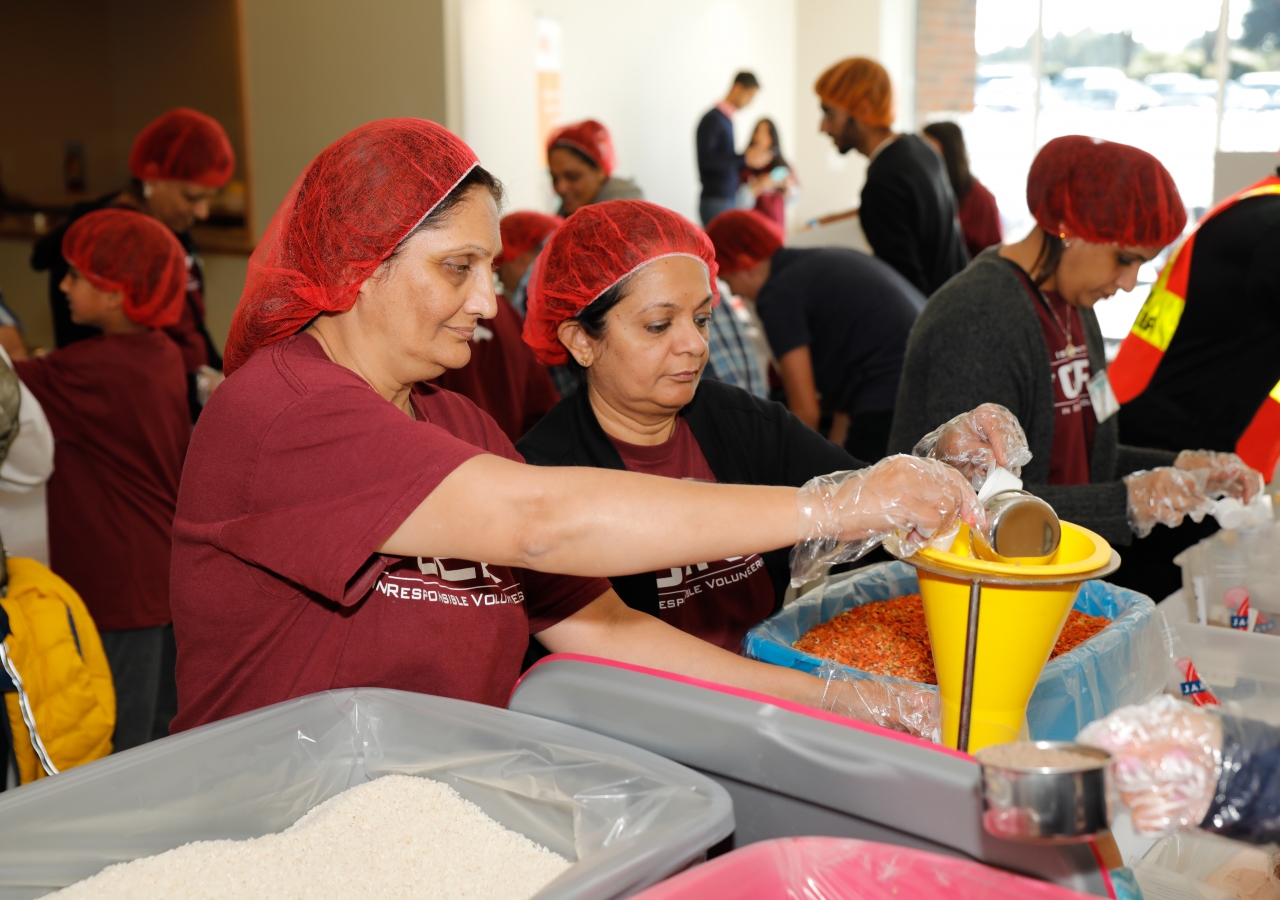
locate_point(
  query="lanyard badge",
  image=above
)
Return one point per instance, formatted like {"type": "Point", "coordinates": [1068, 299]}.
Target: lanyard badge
{"type": "Point", "coordinates": [1103, 399]}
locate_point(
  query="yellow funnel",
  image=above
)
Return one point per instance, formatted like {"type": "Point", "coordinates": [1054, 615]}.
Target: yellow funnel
{"type": "Point", "coordinates": [1017, 626]}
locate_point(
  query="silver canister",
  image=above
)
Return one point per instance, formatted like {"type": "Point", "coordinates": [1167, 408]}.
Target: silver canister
{"type": "Point", "coordinates": [1051, 804]}
{"type": "Point", "coordinates": [1019, 526]}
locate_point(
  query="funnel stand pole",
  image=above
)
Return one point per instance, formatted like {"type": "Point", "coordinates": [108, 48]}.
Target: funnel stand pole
{"type": "Point", "coordinates": [970, 657]}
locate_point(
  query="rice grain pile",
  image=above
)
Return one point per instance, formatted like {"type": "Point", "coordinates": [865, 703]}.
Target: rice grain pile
{"type": "Point", "coordinates": [395, 837]}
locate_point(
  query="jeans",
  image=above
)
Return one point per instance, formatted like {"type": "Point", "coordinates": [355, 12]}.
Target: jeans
{"type": "Point", "coordinates": [710, 207]}
{"type": "Point", "coordinates": [142, 667]}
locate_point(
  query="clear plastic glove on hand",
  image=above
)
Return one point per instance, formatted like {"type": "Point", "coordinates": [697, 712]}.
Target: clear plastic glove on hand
{"type": "Point", "coordinates": [1166, 759]}
{"type": "Point", "coordinates": [1225, 474]}
{"type": "Point", "coordinates": [1165, 496]}
{"type": "Point", "coordinates": [977, 442]}
{"type": "Point", "coordinates": [902, 707]}
{"type": "Point", "coordinates": [901, 501]}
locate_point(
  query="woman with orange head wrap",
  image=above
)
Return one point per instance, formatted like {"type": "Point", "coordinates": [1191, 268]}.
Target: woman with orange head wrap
{"type": "Point", "coordinates": [581, 160]}
{"type": "Point", "coordinates": [1017, 327]}
{"type": "Point", "coordinates": [117, 406]}
{"type": "Point", "coordinates": [908, 210]}
{"type": "Point", "coordinates": [178, 162]}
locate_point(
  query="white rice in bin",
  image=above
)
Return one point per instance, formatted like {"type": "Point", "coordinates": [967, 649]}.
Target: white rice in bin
{"type": "Point", "coordinates": [395, 837]}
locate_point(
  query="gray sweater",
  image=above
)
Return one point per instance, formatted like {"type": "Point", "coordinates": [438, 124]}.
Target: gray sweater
{"type": "Point", "coordinates": [979, 341]}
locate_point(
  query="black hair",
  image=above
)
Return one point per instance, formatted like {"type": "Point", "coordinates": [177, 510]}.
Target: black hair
{"type": "Point", "coordinates": [778, 159]}
{"type": "Point", "coordinates": [747, 80]}
{"type": "Point", "coordinates": [477, 177]}
{"type": "Point", "coordinates": [592, 317]}
{"type": "Point", "coordinates": [576, 152]}
{"type": "Point", "coordinates": [1047, 259]}
{"type": "Point", "coordinates": [951, 138]}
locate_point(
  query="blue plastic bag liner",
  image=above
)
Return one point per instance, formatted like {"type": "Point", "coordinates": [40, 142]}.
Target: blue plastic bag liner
{"type": "Point", "coordinates": [1124, 663]}
{"type": "Point", "coordinates": [625, 816]}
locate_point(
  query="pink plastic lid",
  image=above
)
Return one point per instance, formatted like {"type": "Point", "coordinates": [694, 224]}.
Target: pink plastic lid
{"type": "Point", "coordinates": [843, 869]}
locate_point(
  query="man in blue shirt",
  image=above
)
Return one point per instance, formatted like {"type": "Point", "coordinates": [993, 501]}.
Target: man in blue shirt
{"type": "Point", "coordinates": [719, 164]}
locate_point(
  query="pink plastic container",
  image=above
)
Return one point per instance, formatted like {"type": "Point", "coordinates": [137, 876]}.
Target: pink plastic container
{"type": "Point", "coordinates": [827, 868]}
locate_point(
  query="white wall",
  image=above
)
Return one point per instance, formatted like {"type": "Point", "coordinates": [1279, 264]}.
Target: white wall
{"type": "Point", "coordinates": [647, 70]}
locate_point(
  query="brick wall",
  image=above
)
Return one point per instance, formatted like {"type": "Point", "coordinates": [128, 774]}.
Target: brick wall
{"type": "Point", "coordinates": [946, 61]}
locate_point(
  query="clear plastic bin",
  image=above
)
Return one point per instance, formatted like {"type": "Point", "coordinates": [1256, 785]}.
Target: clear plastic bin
{"type": "Point", "coordinates": [1183, 866]}
{"type": "Point", "coordinates": [825, 868]}
{"type": "Point", "coordinates": [1242, 670]}
{"type": "Point", "coordinates": [626, 816]}
{"type": "Point", "coordinates": [1124, 664]}
{"type": "Point", "coordinates": [1248, 558]}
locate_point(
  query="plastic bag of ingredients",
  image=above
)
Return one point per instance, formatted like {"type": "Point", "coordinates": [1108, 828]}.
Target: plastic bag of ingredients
{"type": "Point", "coordinates": [1219, 569]}
{"type": "Point", "coordinates": [1123, 664]}
{"type": "Point", "coordinates": [625, 817]}
{"type": "Point", "coordinates": [829, 868]}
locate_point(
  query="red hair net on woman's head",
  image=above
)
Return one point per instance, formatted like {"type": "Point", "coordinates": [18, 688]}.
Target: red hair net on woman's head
{"type": "Point", "coordinates": [589, 138]}
{"type": "Point", "coordinates": [127, 251]}
{"type": "Point", "coordinates": [598, 246]}
{"type": "Point", "coordinates": [347, 212]}
{"type": "Point", "coordinates": [183, 145]}
{"type": "Point", "coordinates": [1104, 193]}
{"type": "Point", "coordinates": [742, 238]}
{"type": "Point", "coordinates": [524, 230]}
{"type": "Point", "coordinates": [860, 87]}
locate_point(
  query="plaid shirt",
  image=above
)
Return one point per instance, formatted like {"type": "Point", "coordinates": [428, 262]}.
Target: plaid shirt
{"type": "Point", "coordinates": [733, 358]}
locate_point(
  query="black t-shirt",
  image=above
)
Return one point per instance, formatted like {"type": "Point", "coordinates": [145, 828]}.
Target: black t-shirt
{"type": "Point", "coordinates": [908, 213]}
{"type": "Point", "coordinates": [1225, 356]}
{"type": "Point", "coordinates": [852, 311]}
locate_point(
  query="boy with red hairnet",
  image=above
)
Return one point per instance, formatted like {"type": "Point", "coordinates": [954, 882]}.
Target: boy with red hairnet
{"type": "Point", "coordinates": [178, 162]}
{"type": "Point", "coordinates": [908, 210]}
{"type": "Point", "coordinates": [117, 404]}
{"type": "Point", "coordinates": [837, 321]}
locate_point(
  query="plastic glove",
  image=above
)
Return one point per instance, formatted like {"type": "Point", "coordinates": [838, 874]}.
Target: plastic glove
{"type": "Point", "coordinates": [977, 442]}
{"type": "Point", "coordinates": [1166, 761]}
{"type": "Point", "coordinates": [900, 706]}
{"type": "Point", "coordinates": [1227, 474]}
{"type": "Point", "coordinates": [901, 501]}
{"type": "Point", "coordinates": [1164, 496]}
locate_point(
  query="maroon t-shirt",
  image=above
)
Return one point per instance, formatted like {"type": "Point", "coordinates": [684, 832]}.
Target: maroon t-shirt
{"type": "Point", "coordinates": [297, 473]}
{"type": "Point", "coordinates": [717, 601]}
{"type": "Point", "coordinates": [504, 378]}
{"type": "Point", "coordinates": [117, 405]}
{"type": "Point", "coordinates": [1074, 421]}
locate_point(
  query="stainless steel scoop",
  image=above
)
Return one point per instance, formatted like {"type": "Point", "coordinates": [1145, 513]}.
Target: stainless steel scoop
{"type": "Point", "coordinates": [1019, 526]}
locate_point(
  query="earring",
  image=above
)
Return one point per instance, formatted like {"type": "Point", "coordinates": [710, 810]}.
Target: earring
{"type": "Point", "coordinates": [146, 189]}
{"type": "Point", "coordinates": [1066, 244]}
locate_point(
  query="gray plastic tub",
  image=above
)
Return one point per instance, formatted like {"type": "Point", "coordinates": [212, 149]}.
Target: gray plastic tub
{"type": "Point", "coordinates": [626, 816]}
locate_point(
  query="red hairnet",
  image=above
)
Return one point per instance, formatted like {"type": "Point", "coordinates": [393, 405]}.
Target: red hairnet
{"type": "Point", "coordinates": [127, 251]}
{"type": "Point", "coordinates": [1104, 193]}
{"type": "Point", "coordinates": [183, 145]}
{"type": "Point", "coordinates": [598, 246]}
{"type": "Point", "coordinates": [346, 213]}
{"type": "Point", "coordinates": [524, 230]}
{"type": "Point", "coordinates": [742, 238]}
{"type": "Point", "coordinates": [860, 87]}
{"type": "Point", "coordinates": [589, 138]}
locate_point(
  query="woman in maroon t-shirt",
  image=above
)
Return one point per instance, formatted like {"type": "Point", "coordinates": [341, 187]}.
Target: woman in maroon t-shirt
{"type": "Point", "coordinates": [334, 510]}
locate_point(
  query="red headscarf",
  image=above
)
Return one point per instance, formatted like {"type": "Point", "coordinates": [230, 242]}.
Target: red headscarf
{"type": "Point", "coordinates": [589, 138]}
{"type": "Point", "coordinates": [524, 230]}
{"type": "Point", "coordinates": [183, 145]}
{"type": "Point", "coordinates": [742, 238]}
{"type": "Point", "coordinates": [347, 212]}
{"type": "Point", "coordinates": [598, 246]}
{"type": "Point", "coordinates": [127, 251]}
{"type": "Point", "coordinates": [1104, 193]}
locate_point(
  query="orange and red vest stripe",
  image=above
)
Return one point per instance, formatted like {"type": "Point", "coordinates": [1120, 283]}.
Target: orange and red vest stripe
{"type": "Point", "coordinates": [1145, 345]}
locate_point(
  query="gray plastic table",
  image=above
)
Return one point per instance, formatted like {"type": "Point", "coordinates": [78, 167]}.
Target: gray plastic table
{"type": "Point", "coordinates": [793, 771]}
